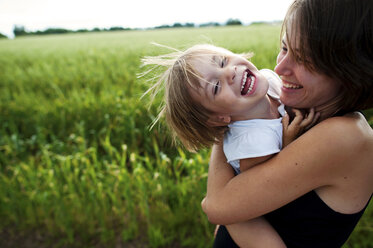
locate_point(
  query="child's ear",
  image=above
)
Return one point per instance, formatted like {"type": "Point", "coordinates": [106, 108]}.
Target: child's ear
{"type": "Point", "coordinates": [219, 120]}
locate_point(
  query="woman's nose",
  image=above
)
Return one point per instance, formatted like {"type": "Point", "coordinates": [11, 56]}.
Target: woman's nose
{"type": "Point", "coordinates": [284, 64]}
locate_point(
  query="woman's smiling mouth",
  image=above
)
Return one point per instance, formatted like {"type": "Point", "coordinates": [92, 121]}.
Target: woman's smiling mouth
{"type": "Point", "coordinates": [291, 86]}
{"type": "Point", "coordinates": [248, 83]}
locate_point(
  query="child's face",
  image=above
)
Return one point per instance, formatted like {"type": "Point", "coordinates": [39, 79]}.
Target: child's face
{"type": "Point", "coordinates": [231, 85]}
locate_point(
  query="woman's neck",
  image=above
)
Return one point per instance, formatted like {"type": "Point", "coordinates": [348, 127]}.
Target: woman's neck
{"type": "Point", "coordinates": [329, 109]}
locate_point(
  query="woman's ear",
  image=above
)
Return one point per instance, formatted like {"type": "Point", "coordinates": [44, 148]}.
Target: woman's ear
{"type": "Point", "coordinates": [219, 120]}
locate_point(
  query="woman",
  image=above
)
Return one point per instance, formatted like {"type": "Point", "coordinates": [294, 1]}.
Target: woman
{"type": "Point", "coordinates": [316, 189]}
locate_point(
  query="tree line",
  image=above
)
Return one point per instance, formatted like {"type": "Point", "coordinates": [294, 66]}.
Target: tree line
{"type": "Point", "coordinates": [20, 30]}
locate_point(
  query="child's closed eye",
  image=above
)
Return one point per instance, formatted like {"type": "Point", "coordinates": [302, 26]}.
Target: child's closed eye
{"type": "Point", "coordinates": [223, 62]}
{"type": "Point", "coordinates": [216, 87]}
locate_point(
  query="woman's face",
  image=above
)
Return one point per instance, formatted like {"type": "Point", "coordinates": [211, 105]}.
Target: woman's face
{"type": "Point", "coordinates": [302, 88]}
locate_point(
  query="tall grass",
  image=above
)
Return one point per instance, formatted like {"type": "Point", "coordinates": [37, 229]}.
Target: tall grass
{"type": "Point", "coordinates": [79, 166]}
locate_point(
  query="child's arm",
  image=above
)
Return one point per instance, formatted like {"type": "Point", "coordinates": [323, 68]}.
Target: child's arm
{"type": "Point", "coordinates": [247, 163]}
{"type": "Point", "coordinates": [256, 233]}
{"type": "Point", "coordinates": [299, 124]}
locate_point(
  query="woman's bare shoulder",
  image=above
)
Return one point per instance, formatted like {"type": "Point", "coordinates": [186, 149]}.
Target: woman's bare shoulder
{"type": "Point", "coordinates": [334, 147]}
{"type": "Point", "coordinates": [348, 142]}
{"type": "Point", "coordinates": [350, 130]}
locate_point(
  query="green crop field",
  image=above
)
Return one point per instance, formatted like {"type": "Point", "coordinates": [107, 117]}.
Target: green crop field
{"type": "Point", "coordinates": [79, 166]}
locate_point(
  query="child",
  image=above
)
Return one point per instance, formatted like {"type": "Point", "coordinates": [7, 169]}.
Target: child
{"type": "Point", "coordinates": [213, 95]}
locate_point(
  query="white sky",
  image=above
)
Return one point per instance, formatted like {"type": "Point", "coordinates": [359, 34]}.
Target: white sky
{"type": "Point", "coordinates": [76, 14]}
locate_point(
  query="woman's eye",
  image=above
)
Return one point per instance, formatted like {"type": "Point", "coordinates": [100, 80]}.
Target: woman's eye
{"type": "Point", "coordinates": [285, 49]}
{"type": "Point", "coordinates": [216, 88]}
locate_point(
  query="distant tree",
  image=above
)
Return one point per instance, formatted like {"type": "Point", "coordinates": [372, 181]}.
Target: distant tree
{"type": "Point", "coordinates": [258, 23]}
{"type": "Point", "coordinates": [189, 25]}
{"type": "Point", "coordinates": [56, 31]}
{"type": "Point", "coordinates": [115, 28]}
{"type": "Point", "coordinates": [83, 30]}
{"type": "Point", "coordinates": [3, 36]}
{"type": "Point", "coordinates": [210, 24]}
{"type": "Point", "coordinates": [162, 26]}
{"type": "Point", "coordinates": [118, 29]}
{"type": "Point", "coordinates": [233, 22]}
{"type": "Point", "coordinates": [177, 25]}
{"type": "Point", "coordinates": [96, 29]}
{"type": "Point", "coordinates": [19, 30]}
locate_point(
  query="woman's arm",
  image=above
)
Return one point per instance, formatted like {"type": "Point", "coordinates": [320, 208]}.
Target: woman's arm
{"type": "Point", "coordinates": [316, 159]}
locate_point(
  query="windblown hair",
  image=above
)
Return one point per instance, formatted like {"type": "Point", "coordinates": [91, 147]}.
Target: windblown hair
{"type": "Point", "coordinates": [186, 118]}
{"type": "Point", "coordinates": [335, 38]}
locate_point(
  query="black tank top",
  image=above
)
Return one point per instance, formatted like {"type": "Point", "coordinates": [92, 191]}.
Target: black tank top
{"type": "Point", "coordinates": [309, 222]}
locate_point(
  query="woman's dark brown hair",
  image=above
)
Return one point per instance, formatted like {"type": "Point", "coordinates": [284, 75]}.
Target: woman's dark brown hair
{"type": "Point", "coordinates": [335, 38]}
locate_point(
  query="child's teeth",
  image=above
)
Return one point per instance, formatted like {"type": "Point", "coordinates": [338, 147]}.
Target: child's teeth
{"type": "Point", "coordinates": [252, 79]}
{"type": "Point", "coordinates": [252, 83]}
{"type": "Point", "coordinates": [244, 81]}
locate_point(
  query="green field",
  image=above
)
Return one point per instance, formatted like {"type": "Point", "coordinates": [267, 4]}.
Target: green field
{"type": "Point", "coordinates": [79, 166]}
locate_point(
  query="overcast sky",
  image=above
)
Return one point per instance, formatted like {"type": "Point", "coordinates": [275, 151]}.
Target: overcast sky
{"type": "Point", "coordinates": [77, 14]}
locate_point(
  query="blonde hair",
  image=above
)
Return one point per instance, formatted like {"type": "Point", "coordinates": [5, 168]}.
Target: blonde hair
{"type": "Point", "coordinates": [187, 119]}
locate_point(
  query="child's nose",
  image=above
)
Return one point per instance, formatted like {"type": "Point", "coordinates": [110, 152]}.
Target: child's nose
{"type": "Point", "coordinates": [232, 74]}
